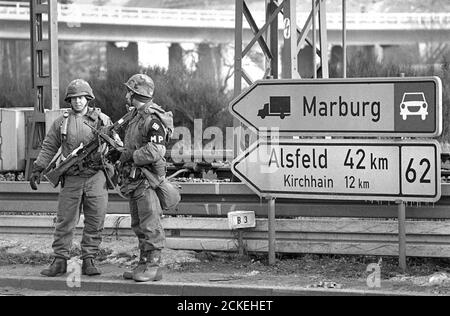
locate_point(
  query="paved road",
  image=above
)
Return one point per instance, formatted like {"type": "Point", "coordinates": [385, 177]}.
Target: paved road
{"type": "Point", "coordinates": [25, 280]}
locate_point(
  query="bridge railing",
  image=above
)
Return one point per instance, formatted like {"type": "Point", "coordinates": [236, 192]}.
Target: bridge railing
{"type": "Point", "coordinates": [14, 8]}
{"type": "Point", "coordinates": [125, 15]}
{"type": "Point", "coordinates": [146, 16]}
{"type": "Point", "coordinates": [220, 18]}
{"type": "Point", "coordinates": [392, 20]}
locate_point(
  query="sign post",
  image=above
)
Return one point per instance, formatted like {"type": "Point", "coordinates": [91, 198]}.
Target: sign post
{"type": "Point", "coordinates": [342, 169]}
{"type": "Point", "coordinates": [349, 169]}
{"type": "Point", "coordinates": [401, 235]}
{"type": "Point", "coordinates": [271, 229]}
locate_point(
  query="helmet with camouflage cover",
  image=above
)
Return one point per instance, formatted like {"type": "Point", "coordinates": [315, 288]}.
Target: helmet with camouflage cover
{"type": "Point", "coordinates": [77, 88]}
{"type": "Point", "coordinates": [141, 84]}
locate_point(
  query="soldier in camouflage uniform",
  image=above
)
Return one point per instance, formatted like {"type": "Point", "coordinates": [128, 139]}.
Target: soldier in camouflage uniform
{"type": "Point", "coordinates": [83, 187]}
{"type": "Point", "coordinates": [145, 147]}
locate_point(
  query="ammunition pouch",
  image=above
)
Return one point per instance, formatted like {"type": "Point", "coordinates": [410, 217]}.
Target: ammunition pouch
{"type": "Point", "coordinates": [83, 167]}
{"type": "Point", "coordinates": [169, 194]}
{"type": "Point", "coordinates": [131, 172]}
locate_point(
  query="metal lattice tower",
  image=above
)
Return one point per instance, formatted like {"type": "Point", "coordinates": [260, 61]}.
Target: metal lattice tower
{"type": "Point", "coordinates": [268, 37]}
{"type": "Point", "coordinates": [294, 39]}
{"type": "Point", "coordinates": [44, 72]}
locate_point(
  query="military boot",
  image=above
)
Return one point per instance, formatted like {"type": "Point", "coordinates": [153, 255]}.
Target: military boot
{"type": "Point", "coordinates": [128, 275]}
{"type": "Point", "coordinates": [57, 267]}
{"type": "Point", "coordinates": [149, 270]}
{"type": "Point", "coordinates": [88, 267]}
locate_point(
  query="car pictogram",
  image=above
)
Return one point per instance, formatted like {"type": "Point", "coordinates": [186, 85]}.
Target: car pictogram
{"type": "Point", "coordinates": [414, 103]}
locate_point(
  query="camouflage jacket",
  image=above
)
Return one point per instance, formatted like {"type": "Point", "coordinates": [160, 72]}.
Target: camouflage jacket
{"type": "Point", "coordinates": [68, 131]}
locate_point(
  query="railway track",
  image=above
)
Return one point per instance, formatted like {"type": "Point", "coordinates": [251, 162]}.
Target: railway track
{"type": "Point", "coordinates": [217, 199]}
{"type": "Point", "coordinates": [302, 226]}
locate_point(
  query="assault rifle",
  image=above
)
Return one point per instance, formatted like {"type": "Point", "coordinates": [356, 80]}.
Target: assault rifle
{"type": "Point", "coordinates": [104, 136]}
{"type": "Point", "coordinates": [82, 152]}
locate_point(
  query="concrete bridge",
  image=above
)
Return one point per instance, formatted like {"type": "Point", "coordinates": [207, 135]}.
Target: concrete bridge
{"type": "Point", "coordinates": [105, 23]}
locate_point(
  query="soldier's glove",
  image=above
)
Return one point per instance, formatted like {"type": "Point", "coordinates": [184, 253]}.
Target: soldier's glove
{"type": "Point", "coordinates": [35, 178]}
{"type": "Point", "coordinates": [127, 155]}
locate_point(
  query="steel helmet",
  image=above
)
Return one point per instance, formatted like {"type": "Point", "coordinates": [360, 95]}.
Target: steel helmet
{"type": "Point", "coordinates": [79, 87]}
{"type": "Point", "coordinates": [141, 84]}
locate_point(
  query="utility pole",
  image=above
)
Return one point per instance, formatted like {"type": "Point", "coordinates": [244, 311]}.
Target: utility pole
{"type": "Point", "coordinates": [44, 72]}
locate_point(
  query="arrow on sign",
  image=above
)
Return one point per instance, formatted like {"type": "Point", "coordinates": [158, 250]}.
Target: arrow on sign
{"type": "Point", "coordinates": [349, 107]}
{"type": "Point", "coordinates": [386, 170]}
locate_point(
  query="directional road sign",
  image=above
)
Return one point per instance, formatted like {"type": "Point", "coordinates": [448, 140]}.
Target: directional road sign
{"type": "Point", "coordinates": [348, 107]}
{"type": "Point", "coordinates": [385, 170]}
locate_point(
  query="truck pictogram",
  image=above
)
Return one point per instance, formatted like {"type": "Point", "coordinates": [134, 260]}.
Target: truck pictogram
{"type": "Point", "coordinates": [278, 106]}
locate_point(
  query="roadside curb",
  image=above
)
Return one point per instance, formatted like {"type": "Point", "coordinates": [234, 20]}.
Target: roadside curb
{"type": "Point", "coordinates": [183, 289]}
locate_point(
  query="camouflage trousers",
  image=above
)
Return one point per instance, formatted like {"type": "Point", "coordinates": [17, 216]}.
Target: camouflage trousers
{"type": "Point", "coordinates": [80, 194]}
{"type": "Point", "coordinates": [145, 211]}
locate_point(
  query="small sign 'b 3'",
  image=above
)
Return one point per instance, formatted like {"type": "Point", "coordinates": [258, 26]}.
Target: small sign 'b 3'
{"type": "Point", "coordinates": [241, 219]}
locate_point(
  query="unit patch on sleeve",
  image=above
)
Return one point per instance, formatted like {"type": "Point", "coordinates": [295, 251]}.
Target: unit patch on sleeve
{"type": "Point", "coordinates": [156, 133]}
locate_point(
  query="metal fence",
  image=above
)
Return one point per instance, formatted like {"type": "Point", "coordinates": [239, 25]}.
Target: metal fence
{"type": "Point", "coordinates": [217, 199]}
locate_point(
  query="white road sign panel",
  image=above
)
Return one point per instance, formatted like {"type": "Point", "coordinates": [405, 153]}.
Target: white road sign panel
{"type": "Point", "coordinates": [350, 107]}
{"type": "Point", "coordinates": [385, 170]}
{"type": "Point", "coordinates": [241, 219]}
